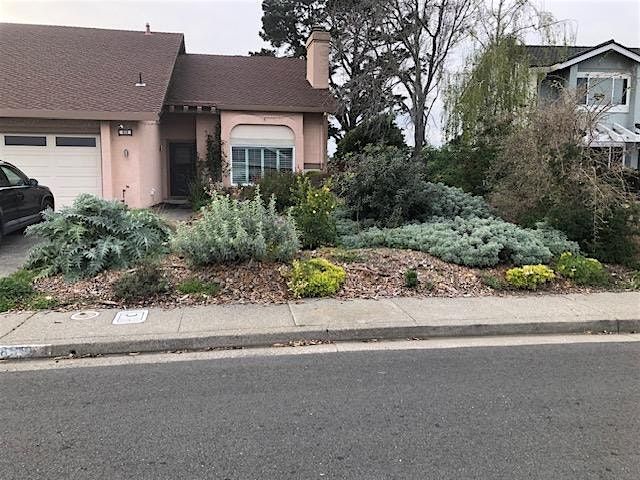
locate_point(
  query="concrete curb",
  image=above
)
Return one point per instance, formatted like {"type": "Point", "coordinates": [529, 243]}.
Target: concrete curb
{"type": "Point", "coordinates": [261, 339]}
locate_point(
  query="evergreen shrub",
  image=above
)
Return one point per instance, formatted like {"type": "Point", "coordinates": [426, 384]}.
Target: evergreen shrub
{"type": "Point", "coordinates": [316, 277]}
{"type": "Point", "coordinates": [383, 184]}
{"type": "Point", "coordinates": [282, 185]}
{"type": "Point", "coordinates": [388, 187]}
{"type": "Point", "coordinates": [411, 278]}
{"type": "Point", "coordinates": [313, 213]}
{"type": "Point", "coordinates": [232, 230]}
{"type": "Point", "coordinates": [529, 277]}
{"type": "Point", "coordinates": [475, 242]}
{"type": "Point", "coordinates": [581, 270]}
{"type": "Point", "coordinates": [146, 281]}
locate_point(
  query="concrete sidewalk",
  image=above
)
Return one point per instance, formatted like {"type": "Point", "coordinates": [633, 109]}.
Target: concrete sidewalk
{"type": "Point", "coordinates": [51, 334]}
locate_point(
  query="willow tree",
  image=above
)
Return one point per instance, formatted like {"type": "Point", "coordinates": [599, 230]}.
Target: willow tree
{"type": "Point", "coordinates": [482, 101]}
{"type": "Point", "coordinates": [495, 86]}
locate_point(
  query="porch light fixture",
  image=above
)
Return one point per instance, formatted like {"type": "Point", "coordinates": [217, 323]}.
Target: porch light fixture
{"type": "Point", "coordinates": [124, 132]}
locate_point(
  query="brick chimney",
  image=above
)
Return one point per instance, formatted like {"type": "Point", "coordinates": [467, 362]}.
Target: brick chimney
{"type": "Point", "coordinates": [318, 46]}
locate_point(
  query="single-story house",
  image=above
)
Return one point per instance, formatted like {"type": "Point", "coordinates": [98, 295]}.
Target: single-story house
{"type": "Point", "coordinates": [607, 78]}
{"type": "Point", "coordinates": [127, 115]}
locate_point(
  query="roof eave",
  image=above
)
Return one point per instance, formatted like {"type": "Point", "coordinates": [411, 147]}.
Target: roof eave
{"type": "Point", "coordinates": [77, 114]}
{"type": "Point", "coordinates": [605, 47]}
{"type": "Point", "coordinates": [257, 108]}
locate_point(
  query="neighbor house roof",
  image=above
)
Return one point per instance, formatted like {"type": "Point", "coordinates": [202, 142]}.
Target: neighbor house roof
{"type": "Point", "coordinates": [548, 55]}
{"type": "Point", "coordinates": [246, 83]}
{"type": "Point", "coordinates": [89, 73]}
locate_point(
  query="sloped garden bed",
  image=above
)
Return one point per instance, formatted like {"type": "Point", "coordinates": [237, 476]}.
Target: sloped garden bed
{"type": "Point", "coordinates": [370, 273]}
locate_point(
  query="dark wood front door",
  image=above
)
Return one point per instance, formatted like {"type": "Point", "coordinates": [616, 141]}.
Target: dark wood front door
{"type": "Point", "coordinates": [182, 168]}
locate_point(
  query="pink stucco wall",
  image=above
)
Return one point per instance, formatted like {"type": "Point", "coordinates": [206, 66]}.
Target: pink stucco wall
{"type": "Point", "coordinates": [316, 128]}
{"type": "Point", "coordinates": [144, 173]}
{"type": "Point", "coordinates": [131, 165]}
{"type": "Point", "coordinates": [310, 132]}
{"type": "Point", "coordinates": [150, 164]}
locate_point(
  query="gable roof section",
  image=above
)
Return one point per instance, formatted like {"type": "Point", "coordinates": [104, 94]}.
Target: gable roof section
{"type": "Point", "coordinates": [246, 83]}
{"type": "Point", "coordinates": [88, 73]}
{"type": "Point", "coordinates": [560, 56]}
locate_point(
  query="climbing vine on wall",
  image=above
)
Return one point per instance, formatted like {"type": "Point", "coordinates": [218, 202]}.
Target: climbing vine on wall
{"type": "Point", "coordinates": [216, 161]}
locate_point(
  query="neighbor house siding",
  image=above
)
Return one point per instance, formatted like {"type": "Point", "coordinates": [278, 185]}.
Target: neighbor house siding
{"type": "Point", "coordinates": [613, 62]}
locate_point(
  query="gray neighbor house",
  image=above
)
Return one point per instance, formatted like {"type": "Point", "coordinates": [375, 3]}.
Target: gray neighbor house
{"type": "Point", "coordinates": [605, 75]}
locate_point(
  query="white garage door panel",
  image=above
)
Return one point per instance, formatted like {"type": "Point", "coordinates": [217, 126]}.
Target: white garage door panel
{"type": "Point", "coordinates": [67, 171]}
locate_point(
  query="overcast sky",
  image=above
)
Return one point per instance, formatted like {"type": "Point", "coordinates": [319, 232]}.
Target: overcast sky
{"type": "Point", "coordinates": [232, 26]}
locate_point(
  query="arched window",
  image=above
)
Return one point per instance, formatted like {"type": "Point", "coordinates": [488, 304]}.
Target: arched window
{"type": "Point", "coordinates": [257, 150]}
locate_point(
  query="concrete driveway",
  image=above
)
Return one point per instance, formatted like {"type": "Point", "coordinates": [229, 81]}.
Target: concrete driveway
{"type": "Point", "coordinates": [13, 252]}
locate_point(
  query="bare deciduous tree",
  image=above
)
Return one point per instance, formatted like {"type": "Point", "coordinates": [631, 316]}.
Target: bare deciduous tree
{"type": "Point", "coordinates": [553, 165]}
{"type": "Point", "coordinates": [423, 35]}
{"type": "Point", "coordinates": [498, 19]}
{"type": "Point", "coordinates": [484, 98]}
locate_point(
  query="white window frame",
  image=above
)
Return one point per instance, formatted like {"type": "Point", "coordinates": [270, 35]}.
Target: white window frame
{"type": "Point", "coordinates": [622, 108]}
{"type": "Point", "coordinates": [262, 147]}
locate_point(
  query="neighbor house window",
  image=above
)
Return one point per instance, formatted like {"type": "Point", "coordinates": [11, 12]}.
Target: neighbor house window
{"type": "Point", "coordinates": [601, 89]}
{"type": "Point", "coordinates": [25, 141]}
{"type": "Point", "coordinates": [75, 141]}
{"type": "Point", "coordinates": [251, 163]}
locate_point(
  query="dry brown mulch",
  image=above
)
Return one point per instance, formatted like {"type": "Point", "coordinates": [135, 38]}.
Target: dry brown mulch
{"type": "Point", "coordinates": [371, 273]}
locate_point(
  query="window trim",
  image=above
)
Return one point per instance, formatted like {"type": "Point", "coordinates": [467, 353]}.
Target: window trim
{"type": "Point", "coordinates": [622, 108]}
{"type": "Point", "coordinates": [262, 149]}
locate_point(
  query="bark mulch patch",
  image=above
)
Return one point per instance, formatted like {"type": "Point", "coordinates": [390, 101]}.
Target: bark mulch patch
{"type": "Point", "coordinates": [371, 273]}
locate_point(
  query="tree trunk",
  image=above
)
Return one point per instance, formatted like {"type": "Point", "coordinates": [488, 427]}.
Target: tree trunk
{"type": "Point", "coordinates": [418, 135]}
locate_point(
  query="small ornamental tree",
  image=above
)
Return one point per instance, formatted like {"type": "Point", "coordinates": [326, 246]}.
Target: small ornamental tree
{"type": "Point", "coordinates": [313, 213]}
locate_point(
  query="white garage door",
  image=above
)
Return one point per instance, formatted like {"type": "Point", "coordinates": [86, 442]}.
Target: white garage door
{"type": "Point", "coordinates": [68, 164]}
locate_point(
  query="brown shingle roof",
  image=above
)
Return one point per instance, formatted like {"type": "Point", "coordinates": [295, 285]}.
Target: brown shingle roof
{"type": "Point", "coordinates": [80, 70]}
{"type": "Point", "coordinates": [547, 55]}
{"type": "Point", "coordinates": [246, 83]}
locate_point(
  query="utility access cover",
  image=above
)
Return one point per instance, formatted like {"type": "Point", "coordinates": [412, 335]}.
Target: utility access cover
{"type": "Point", "coordinates": [130, 316]}
{"type": "Point", "coordinates": [85, 315]}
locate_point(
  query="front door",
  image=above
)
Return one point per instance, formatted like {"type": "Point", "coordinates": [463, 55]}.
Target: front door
{"type": "Point", "coordinates": [182, 168]}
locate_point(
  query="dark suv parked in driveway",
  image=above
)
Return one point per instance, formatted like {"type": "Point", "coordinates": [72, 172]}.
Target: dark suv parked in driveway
{"type": "Point", "coordinates": [21, 199]}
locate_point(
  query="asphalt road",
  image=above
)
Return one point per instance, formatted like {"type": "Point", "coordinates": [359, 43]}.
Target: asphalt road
{"type": "Point", "coordinates": [13, 252]}
{"type": "Point", "coordinates": [542, 412]}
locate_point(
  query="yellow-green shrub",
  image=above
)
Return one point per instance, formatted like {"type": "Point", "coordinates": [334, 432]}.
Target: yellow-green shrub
{"type": "Point", "coordinates": [316, 277]}
{"type": "Point", "coordinates": [529, 277]}
{"type": "Point", "coordinates": [581, 270]}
